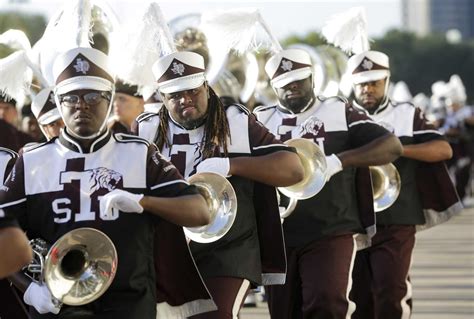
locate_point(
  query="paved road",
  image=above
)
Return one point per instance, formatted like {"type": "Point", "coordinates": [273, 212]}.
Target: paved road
{"type": "Point", "coordinates": [442, 272]}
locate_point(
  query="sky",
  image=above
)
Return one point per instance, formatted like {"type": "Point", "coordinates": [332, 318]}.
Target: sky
{"type": "Point", "coordinates": [283, 17]}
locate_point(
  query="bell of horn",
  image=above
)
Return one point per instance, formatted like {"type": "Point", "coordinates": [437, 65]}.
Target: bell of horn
{"type": "Point", "coordinates": [286, 205]}
{"type": "Point", "coordinates": [80, 266]}
{"type": "Point", "coordinates": [222, 202]}
{"type": "Point", "coordinates": [386, 185]}
{"type": "Point", "coordinates": [314, 164]}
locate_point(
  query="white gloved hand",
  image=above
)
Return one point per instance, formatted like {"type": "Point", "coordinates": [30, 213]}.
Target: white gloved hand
{"type": "Point", "coordinates": [122, 200]}
{"type": "Point", "coordinates": [39, 297]}
{"type": "Point", "coordinates": [334, 166]}
{"type": "Point", "coordinates": [218, 165]}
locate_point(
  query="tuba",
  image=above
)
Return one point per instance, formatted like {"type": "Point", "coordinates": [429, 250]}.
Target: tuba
{"type": "Point", "coordinates": [314, 164]}
{"type": "Point", "coordinates": [78, 268]}
{"type": "Point", "coordinates": [386, 185]}
{"type": "Point", "coordinates": [222, 202]}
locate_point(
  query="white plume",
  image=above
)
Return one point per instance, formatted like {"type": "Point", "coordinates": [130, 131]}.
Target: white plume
{"type": "Point", "coordinates": [69, 28]}
{"type": "Point", "coordinates": [238, 30]}
{"type": "Point", "coordinates": [348, 30]}
{"type": "Point", "coordinates": [15, 39]}
{"type": "Point", "coordinates": [15, 75]}
{"type": "Point", "coordinates": [140, 45]}
{"type": "Point", "coordinates": [401, 92]}
{"type": "Point", "coordinates": [457, 91]}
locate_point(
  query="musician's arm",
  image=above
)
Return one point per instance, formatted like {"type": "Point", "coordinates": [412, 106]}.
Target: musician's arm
{"type": "Point", "coordinates": [15, 251]}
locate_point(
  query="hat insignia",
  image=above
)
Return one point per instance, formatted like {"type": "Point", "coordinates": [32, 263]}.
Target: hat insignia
{"type": "Point", "coordinates": [81, 66]}
{"type": "Point", "coordinates": [367, 64]}
{"type": "Point", "coordinates": [178, 68]}
{"type": "Point", "coordinates": [51, 98]}
{"type": "Point", "coordinates": [286, 65]}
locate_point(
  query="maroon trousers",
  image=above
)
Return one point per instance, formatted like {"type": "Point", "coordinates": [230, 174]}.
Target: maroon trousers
{"type": "Point", "coordinates": [318, 281]}
{"type": "Point", "coordinates": [381, 287]}
{"type": "Point", "coordinates": [228, 293]}
{"type": "Point", "coordinates": [11, 302]}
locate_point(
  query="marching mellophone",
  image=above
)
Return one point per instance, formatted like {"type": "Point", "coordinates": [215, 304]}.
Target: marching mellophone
{"type": "Point", "coordinates": [386, 182]}
{"type": "Point", "coordinates": [222, 202]}
{"type": "Point", "coordinates": [386, 185]}
{"type": "Point", "coordinates": [77, 269]}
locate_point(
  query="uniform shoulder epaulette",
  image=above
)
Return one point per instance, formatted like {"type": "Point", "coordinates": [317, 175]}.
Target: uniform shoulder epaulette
{"type": "Point", "coordinates": [242, 108]}
{"type": "Point", "coordinates": [127, 138]}
{"type": "Point", "coordinates": [263, 108]}
{"type": "Point", "coordinates": [337, 97]}
{"type": "Point", "coordinates": [32, 146]}
{"type": "Point", "coordinates": [145, 116]}
{"type": "Point", "coordinates": [13, 154]}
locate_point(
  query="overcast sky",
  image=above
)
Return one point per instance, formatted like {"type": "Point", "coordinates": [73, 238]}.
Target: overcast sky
{"type": "Point", "coordinates": [284, 17]}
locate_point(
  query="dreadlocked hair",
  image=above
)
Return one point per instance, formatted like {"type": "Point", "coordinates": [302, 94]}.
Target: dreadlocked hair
{"type": "Point", "coordinates": [216, 128]}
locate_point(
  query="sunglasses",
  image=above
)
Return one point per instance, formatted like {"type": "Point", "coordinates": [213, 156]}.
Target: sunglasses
{"type": "Point", "coordinates": [91, 98]}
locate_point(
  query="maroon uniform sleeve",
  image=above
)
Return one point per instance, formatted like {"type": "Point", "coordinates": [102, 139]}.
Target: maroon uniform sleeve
{"type": "Point", "coordinates": [362, 129]}
{"type": "Point", "coordinates": [163, 179]}
{"type": "Point", "coordinates": [262, 141]}
{"type": "Point", "coordinates": [424, 130]}
{"type": "Point", "coordinates": [12, 197]}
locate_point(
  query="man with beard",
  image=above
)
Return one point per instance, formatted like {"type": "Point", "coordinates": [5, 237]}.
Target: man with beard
{"type": "Point", "coordinates": [381, 286]}
{"type": "Point", "coordinates": [320, 233]}
{"type": "Point", "coordinates": [199, 134]}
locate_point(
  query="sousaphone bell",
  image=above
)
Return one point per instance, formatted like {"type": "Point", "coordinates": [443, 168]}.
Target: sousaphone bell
{"type": "Point", "coordinates": [386, 185]}
{"type": "Point", "coordinates": [78, 268]}
{"type": "Point", "coordinates": [222, 202]}
{"type": "Point", "coordinates": [315, 166]}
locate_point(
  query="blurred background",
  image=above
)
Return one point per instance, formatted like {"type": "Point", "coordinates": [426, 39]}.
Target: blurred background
{"type": "Point", "coordinates": [427, 40]}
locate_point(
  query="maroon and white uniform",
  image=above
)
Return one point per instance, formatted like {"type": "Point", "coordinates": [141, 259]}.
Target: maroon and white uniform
{"type": "Point", "coordinates": [12, 306]}
{"type": "Point", "coordinates": [56, 187]}
{"type": "Point", "coordinates": [427, 197]}
{"type": "Point", "coordinates": [255, 239]}
{"type": "Point", "coordinates": [320, 233]}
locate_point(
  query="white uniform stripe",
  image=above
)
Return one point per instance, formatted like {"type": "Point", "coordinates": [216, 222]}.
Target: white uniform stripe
{"type": "Point", "coordinates": [13, 203]}
{"type": "Point", "coordinates": [269, 146]}
{"type": "Point", "coordinates": [427, 132]}
{"type": "Point", "coordinates": [351, 305]}
{"type": "Point", "coordinates": [361, 122]}
{"type": "Point", "coordinates": [168, 183]}
{"type": "Point", "coordinates": [406, 311]}
{"type": "Point", "coordinates": [239, 299]}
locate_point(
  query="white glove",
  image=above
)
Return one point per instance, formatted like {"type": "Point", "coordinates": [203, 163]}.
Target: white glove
{"type": "Point", "coordinates": [121, 200]}
{"type": "Point", "coordinates": [218, 165]}
{"type": "Point", "coordinates": [334, 165]}
{"type": "Point", "coordinates": [39, 297]}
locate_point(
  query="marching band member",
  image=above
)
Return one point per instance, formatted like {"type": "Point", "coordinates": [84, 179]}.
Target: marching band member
{"type": "Point", "coordinates": [14, 247]}
{"type": "Point", "coordinates": [128, 104]}
{"type": "Point", "coordinates": [85, 178]}
{"type": "Point", "coordinates": [45, 110]}
{"type": "Point", "coordinates": [320, 233]}
{"type": "Point", "coordinates": [381, 287]}
{"type": "Point", "coordinates": [198, 134]}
